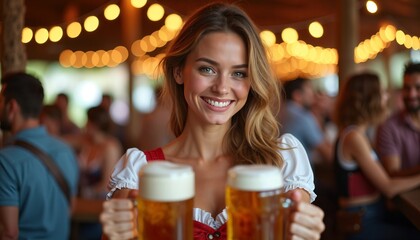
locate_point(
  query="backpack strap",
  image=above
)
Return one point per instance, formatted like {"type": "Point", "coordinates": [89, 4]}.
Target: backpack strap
{"type": "Point", "coordinates": [49, 164]}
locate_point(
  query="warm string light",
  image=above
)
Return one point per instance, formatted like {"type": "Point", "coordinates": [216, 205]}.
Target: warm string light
{"type": "Point", "coordinates": [291, 57]}
{"type": "Point", "coordinates": [370, 48]}
{"type": "Point", "coordinates": [144, 64]}
{"type": "Point", "coordinates": [371, 6]}
{"type": "Point", "coordinates": [74, 29]}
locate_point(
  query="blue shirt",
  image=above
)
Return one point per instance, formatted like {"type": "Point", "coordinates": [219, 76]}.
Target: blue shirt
{"type": "Point", "coordinates": [44, 212]}
{"type": "Point", "coordinates": [302, 124]}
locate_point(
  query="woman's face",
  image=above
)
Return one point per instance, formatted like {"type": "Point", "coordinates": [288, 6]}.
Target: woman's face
{"type": "Point", "coordinates": [215, 78]}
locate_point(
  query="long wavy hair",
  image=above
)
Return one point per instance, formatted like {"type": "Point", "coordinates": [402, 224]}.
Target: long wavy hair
{"type": "Point", "coordinates": [360, 101]}
{"type": "Point", "coordinates": [252, 137]}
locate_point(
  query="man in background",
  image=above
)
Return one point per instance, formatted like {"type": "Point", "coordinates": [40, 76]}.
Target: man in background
{"type": "Point", "coordinates": [296, 118]}
{"type": "Point", "coordinates": [398, 138]}
{"type": "Point", "coordinates": [32, 205]}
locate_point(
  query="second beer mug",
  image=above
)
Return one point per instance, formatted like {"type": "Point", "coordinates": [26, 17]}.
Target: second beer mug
{"type": "Point", "coordinates": [165, 202]}
{"type": "Point", "coordinates": [254, 202]}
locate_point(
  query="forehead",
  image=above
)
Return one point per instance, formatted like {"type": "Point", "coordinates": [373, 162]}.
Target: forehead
{"type": "Point", "coordinates": [221, 41]}
{"type": "Point", "coordinates": [412, 79]}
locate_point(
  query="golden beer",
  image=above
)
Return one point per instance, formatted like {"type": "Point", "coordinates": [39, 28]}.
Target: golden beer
{"type": "Point", "coordinates": [254, 203]}
{"type": "Point", "coordinates": [165, 202]}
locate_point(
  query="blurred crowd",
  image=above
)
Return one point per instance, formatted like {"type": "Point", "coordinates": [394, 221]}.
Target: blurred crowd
{"type": "Point", "coordinates": [363, 145]}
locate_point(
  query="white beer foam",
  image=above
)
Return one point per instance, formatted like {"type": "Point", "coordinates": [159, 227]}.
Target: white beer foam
{"type": "Point", "coordinates": [167, 182]}
{"type": "Point", "coordinates": [255, 177]}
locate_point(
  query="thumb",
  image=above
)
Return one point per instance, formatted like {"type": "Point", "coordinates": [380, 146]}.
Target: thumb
{"type": "Point", "coordinates": [133, 194]}
{"type": "Point", "coordinates": [295, 195]}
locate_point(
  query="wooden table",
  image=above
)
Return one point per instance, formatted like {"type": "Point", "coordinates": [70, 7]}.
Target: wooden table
{"type": "Point", "coordinates": [409, 204]}
{"type": "Point", "coordinates": [87, 210]}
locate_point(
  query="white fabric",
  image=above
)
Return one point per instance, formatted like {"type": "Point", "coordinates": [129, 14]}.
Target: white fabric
{"type": "Point", "coordinates": [349, 164]}
{"type": "Point", "coordinates": [204, 217]}
{"type": "Point", "coordinates": [296, 170]}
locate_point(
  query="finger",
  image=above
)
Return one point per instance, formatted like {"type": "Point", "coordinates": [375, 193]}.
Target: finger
{"type": "Point", "coordinates": [309, 209]}
{"type": "Point", "coordinates": [118, 204]}
{"type": "Point", "coordinates": [296, 238]}
{"type": "Point", "coordinates": [310, 222]}
{"type": "Point", "coordinates": [121, 216]}
{"type": "Point", "coordinates": [123, 236]}
{"type": "Point", "coordinates": [303, 232]}
{"type": "Point", "coordinates": [118, 229]}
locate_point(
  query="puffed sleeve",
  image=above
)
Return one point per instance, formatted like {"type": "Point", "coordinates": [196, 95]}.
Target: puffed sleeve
{"type": "Point", "coordinates": [296, 169]}
{"type": "Point", "coordinates": [125, 174]}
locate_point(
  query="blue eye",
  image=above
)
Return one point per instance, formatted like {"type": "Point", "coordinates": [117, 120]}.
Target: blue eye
{"type": "Point", "coordinates": [206, 70]}
{"type": "Point", "coordinates": [240, 74]}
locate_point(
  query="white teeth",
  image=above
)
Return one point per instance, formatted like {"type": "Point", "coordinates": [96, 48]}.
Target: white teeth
{"type": "Point", "coordinates": [217, 104]}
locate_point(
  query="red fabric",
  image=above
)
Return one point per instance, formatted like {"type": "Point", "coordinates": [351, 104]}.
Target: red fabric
{"type": "Point", "coordinates": [359, 185]}
{"type": "Point", "coordinates": [201, 230]}
{"type": "Point", "coordinates": [156, 154]}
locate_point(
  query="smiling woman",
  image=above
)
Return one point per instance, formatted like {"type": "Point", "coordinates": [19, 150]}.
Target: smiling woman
{"type": "Point", "coordinates": [223, 92]}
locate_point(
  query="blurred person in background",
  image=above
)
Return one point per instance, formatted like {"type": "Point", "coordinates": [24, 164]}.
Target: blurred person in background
{"type": "Point", "coordinates": [398, 139]}
{"type": "Point", "coordinates": [97, 152]}
{"type": "Point", "coordinates": [154, 126]}
{"type": "Point", "coordinates": [67, 125]}
{"type": "Point", "coordinates": [32, 205]}
{"type": "Point", "coordinates": [51, 118]}
{"type": "Point", "coordinates": [325, 184]}
{"type": "Point", "coordinates": [297, 119]}
{"type": "Point", "coordinates": [361, 179]}
{"type": "Point", "coordinates": [116, 129]}
{"type": "Point", "coordinates": [106, 101]}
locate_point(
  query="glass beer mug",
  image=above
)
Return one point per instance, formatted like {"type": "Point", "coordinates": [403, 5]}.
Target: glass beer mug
{"type": "Point", "coordinates": [165, 201]}
{"type": "Point", "coordinates": [255, 204]}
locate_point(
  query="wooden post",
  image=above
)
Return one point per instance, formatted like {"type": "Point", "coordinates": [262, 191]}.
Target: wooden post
{"type": "Point", "coordinates": [348, 35]}
{"type": "Point", "coordinates": [13, 55]}
{"type": "Point", "coordinates": [131, 29]}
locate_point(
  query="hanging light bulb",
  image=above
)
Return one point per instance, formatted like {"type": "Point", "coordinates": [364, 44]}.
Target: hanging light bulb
{"type": "Point", "coordinates": [371, 6]}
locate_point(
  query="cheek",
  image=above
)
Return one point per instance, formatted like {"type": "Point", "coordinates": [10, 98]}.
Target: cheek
{"type": "Point", "coordinates": [197, 85]}
{"type": "Point", "coordinates": [242, 90]}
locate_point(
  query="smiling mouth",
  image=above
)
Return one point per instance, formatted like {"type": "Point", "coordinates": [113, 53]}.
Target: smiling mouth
{"type": "Point", "coordinates": [217, 103]}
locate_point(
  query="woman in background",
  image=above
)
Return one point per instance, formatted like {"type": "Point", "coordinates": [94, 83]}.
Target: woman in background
{"type": "Point", "coordinates": [361, 179]}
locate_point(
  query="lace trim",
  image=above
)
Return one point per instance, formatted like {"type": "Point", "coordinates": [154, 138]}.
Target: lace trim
{"type": "Point", "coordinates": [204, 217]}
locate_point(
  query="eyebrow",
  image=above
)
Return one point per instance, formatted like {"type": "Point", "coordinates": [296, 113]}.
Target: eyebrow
{"type": "Point", "coordinates": [215, 63]}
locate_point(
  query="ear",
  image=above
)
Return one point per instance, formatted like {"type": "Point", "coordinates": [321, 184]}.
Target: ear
{"type": "Point", "coordinates": [12, 106]}
{"type": "Point", "coordinates": [178, 75]}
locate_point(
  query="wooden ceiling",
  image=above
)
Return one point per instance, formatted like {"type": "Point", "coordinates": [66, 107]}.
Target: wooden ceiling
{"type": "Point", "coordinates": [267, 14]}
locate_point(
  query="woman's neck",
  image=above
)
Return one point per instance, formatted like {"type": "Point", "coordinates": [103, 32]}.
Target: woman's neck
{"type": "Point", "coordinates": [202, 143]}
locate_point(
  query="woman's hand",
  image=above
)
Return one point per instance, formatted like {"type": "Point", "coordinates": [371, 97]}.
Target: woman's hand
{"type": "Point", "coordinates": [305, 219]}
{"type": "Point", "coordinates": [118, 219]}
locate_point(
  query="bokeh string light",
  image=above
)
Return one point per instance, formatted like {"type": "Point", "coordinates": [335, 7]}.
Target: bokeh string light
{"type": "Point", "coordinates": [290, 57]}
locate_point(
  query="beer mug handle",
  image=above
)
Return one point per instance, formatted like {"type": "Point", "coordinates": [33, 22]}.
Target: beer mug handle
{"type": "Point", "coordinates": [286, 204]}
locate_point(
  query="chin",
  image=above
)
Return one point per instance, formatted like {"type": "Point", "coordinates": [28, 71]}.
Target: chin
{"type": "Point", "coordinates": [218, 122]}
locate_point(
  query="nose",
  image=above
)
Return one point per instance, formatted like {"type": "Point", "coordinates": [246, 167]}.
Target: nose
{"type": "Point", "coordinates": [411, 92]}
{"type": "Point", "coordinates": [221, 85]}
